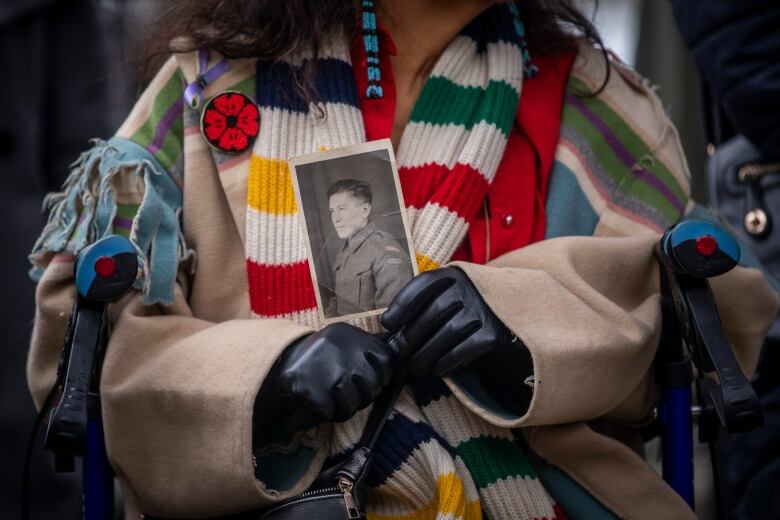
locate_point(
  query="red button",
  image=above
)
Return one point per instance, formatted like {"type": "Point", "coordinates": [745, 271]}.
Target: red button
{"type": "Point", "coordinates": [706, 245]}
{"type": "Point", "coordinates": [105, 266]}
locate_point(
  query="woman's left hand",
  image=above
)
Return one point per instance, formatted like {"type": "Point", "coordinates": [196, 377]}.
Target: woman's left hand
{"type": "Point", "coordinates": [441, 317]}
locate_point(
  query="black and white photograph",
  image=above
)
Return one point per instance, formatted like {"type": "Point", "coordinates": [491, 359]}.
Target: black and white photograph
{"type": "Point", "coordinates": [358, 239]}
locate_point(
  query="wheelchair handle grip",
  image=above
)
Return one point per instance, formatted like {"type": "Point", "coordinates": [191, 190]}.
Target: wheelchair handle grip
{"type": "Point", "coordinates": [691, 252]}
{"type": "Point", "coordinates": [699, 248]}
{"type": "Point", "coordinates": [106, 269]}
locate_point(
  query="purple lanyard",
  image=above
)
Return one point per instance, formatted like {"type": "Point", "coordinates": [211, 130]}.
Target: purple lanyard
{"type": "Point", "coordinates": [195, 89]}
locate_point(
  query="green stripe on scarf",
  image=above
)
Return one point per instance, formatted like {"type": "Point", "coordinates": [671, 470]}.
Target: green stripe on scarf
{"type": "Point", "coordinates": [490, 459]}
{"type": "Point", "coordinates": [444, 102]}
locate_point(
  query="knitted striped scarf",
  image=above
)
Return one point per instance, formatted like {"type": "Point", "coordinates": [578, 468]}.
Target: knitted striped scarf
{"type": "Point", "coordinates": [447, 158]}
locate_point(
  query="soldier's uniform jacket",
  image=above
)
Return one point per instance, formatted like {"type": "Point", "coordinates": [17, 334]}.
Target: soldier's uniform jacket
{"type": "Point", "coordinates": [370, 269]}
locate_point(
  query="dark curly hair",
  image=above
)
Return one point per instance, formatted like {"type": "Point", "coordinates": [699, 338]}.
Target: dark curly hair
{"type": "Point", "coordinates": [272, 29]}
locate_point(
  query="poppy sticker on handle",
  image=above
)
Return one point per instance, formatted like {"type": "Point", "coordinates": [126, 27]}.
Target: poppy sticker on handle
{"type": "Point", "coordinates": [230, 122]}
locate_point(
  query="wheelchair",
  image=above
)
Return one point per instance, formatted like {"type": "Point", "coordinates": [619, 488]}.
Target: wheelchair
{"type": "Point", "coordinates": [692, 336]}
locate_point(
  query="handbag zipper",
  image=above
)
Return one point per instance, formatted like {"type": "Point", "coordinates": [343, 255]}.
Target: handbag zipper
{"type": "Point", "coordinates": [345, 485]}
{"type": "Point", "coordinates": [307, 494]}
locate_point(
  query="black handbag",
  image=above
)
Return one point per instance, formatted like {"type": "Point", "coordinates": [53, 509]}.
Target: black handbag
{"type": "Point", "coordinates": [337, 493]}
{"type": "Point", "coordinates": [744, 188]}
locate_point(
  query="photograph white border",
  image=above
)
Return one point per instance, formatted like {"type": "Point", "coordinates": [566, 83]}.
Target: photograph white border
{"type": "Point", "coordinates": [371, 146]}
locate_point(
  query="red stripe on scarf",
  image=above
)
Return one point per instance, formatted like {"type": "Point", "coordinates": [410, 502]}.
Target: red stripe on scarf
{"type": "Point", "coordinates": [460, 190]}
{"type": "Point", "coordinates": [275, 290]}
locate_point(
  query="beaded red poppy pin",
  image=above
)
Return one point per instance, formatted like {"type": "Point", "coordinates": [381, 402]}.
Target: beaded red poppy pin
{"type": "Point", "coordinates": [230, 122]}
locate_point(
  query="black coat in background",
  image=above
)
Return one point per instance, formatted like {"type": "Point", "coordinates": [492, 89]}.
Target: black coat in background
{"type": "Point", "coordinates": [736, 46]}
{"type": "Point", "coordinates": [55, 97]}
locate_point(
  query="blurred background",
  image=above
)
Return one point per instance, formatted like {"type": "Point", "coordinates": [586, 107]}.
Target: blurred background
{"type": "Point", "coordinates": [70, 73]}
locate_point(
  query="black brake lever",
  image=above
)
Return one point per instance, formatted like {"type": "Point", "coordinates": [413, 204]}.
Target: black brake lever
{"type": "Point", "coordinates": [104, 272]}
{"type": "Point", "coordinates": [691, 252]}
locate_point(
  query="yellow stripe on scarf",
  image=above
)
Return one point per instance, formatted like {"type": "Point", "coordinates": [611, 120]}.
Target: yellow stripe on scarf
{"type": "Point", "coordinates": [270, 187]}
{"type": "Point", "coordinates": [425, 263]}
{"type": "Point", "coordinates": [450, 500]}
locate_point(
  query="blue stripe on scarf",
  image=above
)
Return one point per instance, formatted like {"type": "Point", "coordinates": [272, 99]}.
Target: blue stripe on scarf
{"type": "Point", "coordinates": [495, 25]}
{"type": "Point", "coordinates": [399, 438]}
{"type": "Point", "coordinates": [333, 83]}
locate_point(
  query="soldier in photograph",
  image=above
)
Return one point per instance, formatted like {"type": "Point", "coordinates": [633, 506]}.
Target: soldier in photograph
{"type": "Point", "coordinates": [371, 266]}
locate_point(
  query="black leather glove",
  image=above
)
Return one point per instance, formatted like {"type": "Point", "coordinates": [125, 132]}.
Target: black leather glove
{"type": "Point", "coordinates": [442, 318]}
{"type": "Point", "coordinates": [326, 376]}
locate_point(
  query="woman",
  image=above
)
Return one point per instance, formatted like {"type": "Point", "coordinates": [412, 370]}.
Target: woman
{"type": "Point", "coordinates": [217, 399]}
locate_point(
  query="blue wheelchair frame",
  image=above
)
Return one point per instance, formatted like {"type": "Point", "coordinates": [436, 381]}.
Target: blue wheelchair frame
{"type": "Point", "coordinates": [105, 271]}
{"type": "Point", "coordinates": [689, 253]}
